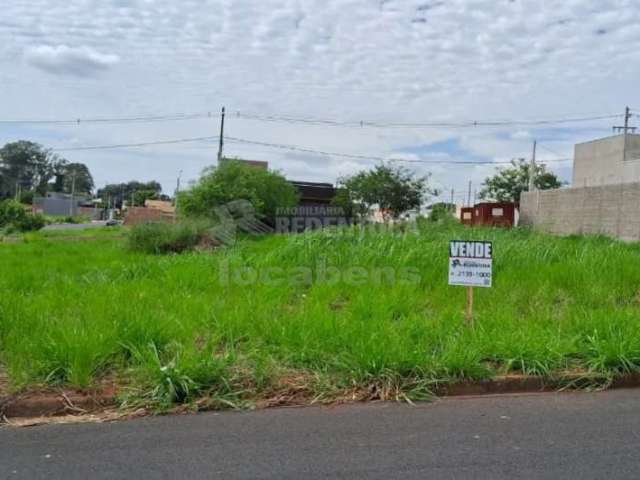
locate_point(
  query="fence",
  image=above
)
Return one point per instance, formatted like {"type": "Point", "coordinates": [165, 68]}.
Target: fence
{"type": "Point", "coordinates": [612, 210]}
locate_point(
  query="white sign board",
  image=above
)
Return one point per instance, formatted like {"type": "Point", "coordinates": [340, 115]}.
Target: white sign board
{"type": "Point", "coordinates": [470, 263]}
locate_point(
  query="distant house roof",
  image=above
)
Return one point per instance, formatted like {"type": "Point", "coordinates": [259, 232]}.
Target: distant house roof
{"type": "Point", "coordinates": [163, 206]}
{"type": "Point", "coordinates": [315, 192]}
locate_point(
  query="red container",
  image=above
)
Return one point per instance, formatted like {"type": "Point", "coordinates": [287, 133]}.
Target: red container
{"type": "Point", "coordinates": [490, 214]}
{"type": "Point", "coordinates": [466, 216]}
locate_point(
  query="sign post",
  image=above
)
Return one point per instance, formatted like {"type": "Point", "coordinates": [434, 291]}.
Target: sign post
{"type": "Point", "coordinates": [470, 265]}
{"type": "Point", "coordinates": [470, 305]}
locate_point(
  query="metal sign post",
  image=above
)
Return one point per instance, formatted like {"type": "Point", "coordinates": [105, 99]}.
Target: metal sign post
{"type": "Point", "coordinates": [470, 265]}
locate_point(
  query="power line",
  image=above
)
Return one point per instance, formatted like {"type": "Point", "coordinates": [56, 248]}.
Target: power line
{"type": "Point", "coordinates": [111, 120]}
{"type": "Point", "coordinates": [482, 162]}
{"type": "Point", "coordinates": [371, 157]}
{"type": "Point", "coordinates": [431, 124]}
{"type": "Point", "coordinates": [347, 155]}
{"type": "Point", "coordinates": [131, 145]}
{"type": "Point", "coordinates": [290, 148]}
{"type": "Point", "coordinates": [312, 121]}
{"type": "Point", "coordinates": [541, 145]}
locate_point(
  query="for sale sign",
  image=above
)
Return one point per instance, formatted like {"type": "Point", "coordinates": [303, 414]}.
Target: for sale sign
{"type": "Point", "coordinates": [470, 263]}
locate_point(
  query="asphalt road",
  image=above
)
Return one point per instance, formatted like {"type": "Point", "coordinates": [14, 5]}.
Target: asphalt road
{"type": "Point", "coordinates": [74, 226]}
{"type": "Point", "coordinates": [576, 435]}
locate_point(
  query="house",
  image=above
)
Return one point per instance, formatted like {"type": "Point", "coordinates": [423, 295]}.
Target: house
{"type": "Point", "coordinates": [314, 209]}
{"type": "Point", "coordinates": [314, 194]}
{"type": "Point", "coordinates": [57, 204]}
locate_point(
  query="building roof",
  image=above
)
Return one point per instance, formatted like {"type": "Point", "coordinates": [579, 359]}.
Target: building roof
{"type": "Point", "coordinates": [315, 191]}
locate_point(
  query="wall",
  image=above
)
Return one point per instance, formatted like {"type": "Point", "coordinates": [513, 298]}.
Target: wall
{"type": "Point", "coordinates": [61, 207]}
{"type": "Point", "coordinates": [602, 162]}
{"type": "Point", "coordinates": [612, 210]}
{"type": "Point", "coordinates": [137, 215]}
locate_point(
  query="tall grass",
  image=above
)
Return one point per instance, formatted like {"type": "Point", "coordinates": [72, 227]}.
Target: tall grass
{"type": "Point", "coordinates": [179, 327]}
{"type": "Point", "coordinates": [160, 238]}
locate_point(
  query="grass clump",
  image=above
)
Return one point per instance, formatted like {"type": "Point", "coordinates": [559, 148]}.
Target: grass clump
{"type": "Point", "coordinates": [161, 238]}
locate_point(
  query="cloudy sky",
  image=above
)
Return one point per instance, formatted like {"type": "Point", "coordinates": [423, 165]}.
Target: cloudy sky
{"type": "Point", "coordinates": [392, 63]}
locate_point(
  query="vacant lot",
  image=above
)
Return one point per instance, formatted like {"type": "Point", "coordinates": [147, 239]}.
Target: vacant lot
{"type": "Point", "coordinates": [321, 315]}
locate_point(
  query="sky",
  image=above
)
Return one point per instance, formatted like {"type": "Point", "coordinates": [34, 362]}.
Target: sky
{"type": "Point", "coordinates": [390, 64]}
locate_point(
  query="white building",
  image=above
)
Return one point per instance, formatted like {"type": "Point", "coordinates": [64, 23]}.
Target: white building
{"type": "Point", "coordinates": [607, 161]}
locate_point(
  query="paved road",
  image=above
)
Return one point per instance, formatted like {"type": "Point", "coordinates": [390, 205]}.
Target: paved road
{"type": "Point", "coordinates": [74, 226]}
{"type": "Point", "coordinates": [544, 436]}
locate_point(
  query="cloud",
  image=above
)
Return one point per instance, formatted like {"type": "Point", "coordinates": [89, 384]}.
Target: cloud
{"type": "Point", "coordinates": [348, 60]}
{"type": "Point", "coordinates": [65, 60]}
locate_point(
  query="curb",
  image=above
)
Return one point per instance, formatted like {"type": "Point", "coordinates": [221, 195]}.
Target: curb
{"type": "Point", "coordinates": [49, 404]}
{"type": "Point", "coordinates": [529, 384]}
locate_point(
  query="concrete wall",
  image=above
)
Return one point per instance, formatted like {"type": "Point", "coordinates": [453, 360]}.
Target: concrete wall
{"type": "Point", "coordinates": [612, 210]}
{"type": "Point", "coordinates": [604, 161]}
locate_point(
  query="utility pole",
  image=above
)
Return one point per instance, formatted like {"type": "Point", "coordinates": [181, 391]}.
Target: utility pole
{"type": "Point", "coordinates": [221, 137]}
{"type": "Point", "coordinates": [469, 195]}
{"type": "Point", "coordinates": [73, 192]}
{"type": "Point", "coordinates": [626, 129]}
{"type": "Point", "coordinates": [532, 168]}
{"type": "Point", "coordinates": [452, 196]}
{"type": "Point", "coordinates": [175, 204]}
{"type": "Point", "coordinates": [627, 116]}
{"type": "Point", "coordinates": [132, 199]}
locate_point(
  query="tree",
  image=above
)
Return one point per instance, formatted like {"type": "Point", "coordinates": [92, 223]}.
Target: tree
{"type": "Point", "coordinates": [442, 212]}
{"type": "Point", "coordinates": [267, 191]}
{"type": "Point", "coordinates": [120, 192]}
{"type": "Point", "coordinates": [73, 177]}
{"type": "Point", "coordinates": [26, 166]}
{"type": "Point", "coordinates": [508, 183]}
{"type": "Point", "coordinates": [141, 196]}
{"type": "Point", "coordinates": [394, 190]}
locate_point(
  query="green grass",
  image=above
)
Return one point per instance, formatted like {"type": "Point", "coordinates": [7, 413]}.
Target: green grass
{"type": "Point", "coordinates": [172, 330]}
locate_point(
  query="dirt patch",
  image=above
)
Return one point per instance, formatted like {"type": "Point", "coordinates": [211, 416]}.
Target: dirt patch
{"type": "Point", "coordinates": [49, 402]}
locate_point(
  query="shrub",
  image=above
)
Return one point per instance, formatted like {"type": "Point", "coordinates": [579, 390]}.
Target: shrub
{"type": "Point", "coordinates": [13, 216]}
{"type": "Point", "coordinates": [26, 197]}
{"type": "Point", "coordinates": [159, 238]}
{"type": "Point", "coordinates": [30, 222]}
{"type": "Point", "coordinates": [10, 212]}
